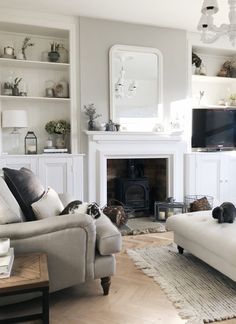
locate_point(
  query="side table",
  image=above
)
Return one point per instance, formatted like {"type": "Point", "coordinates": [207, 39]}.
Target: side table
{"type": "Point", "coordinates": [29, 274]}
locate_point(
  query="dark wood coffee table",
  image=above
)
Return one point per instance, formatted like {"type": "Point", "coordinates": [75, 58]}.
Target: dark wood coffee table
{"type": "Point", "coordinates": [29, 274]}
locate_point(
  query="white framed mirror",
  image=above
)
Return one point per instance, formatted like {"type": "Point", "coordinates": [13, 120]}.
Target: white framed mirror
{"type": "Point", "coordinates": [136, 81]}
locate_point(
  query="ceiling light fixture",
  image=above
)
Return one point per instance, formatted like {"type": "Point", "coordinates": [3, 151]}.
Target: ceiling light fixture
{"type": "Point", "coordinates": [210, 32]}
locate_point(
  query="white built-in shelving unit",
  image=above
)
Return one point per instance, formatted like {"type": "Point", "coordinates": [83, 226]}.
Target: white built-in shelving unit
{"type": "Point", "coordinates": [215, 88]}
{"type": "Point", "coordinates": [37, 72]}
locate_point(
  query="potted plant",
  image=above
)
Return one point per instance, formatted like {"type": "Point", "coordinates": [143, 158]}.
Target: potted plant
{"type": "Point", "coordinates": [90, 111]}
{"type": "Point", "coordinates": [196, 63]}
{"type": "Point", "coordinates": [232, 99]}
{"type": "Point", "coordinates": [15, 87]}
{"type": "Point", "coordinates": [26, 43]}
{"type": "Point", "coordinates": [60, 128]}
{"type": "Point", "coordinates": [54, 54]}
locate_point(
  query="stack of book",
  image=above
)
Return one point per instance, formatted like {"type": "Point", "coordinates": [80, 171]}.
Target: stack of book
{"type": "Point", "coordinates": [55, 150]}
{"type": "Point", "coordinates": [6, 263]}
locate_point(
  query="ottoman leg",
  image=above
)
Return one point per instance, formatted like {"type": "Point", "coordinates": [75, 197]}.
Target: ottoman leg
{"type": "Point", "coordinates": [181, 250]}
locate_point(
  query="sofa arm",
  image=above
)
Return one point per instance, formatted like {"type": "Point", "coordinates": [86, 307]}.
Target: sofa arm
{"type": "Point", "coordinates": [46, 225]}
{"type": "Point", "coordinates": [68, 240]}
{"type": "Point", "coordinates": [108, 237]}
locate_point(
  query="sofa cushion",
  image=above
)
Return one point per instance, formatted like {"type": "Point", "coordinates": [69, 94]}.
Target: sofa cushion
{"type": "Point", "coordinates": [10, 199]}
{"type": "Point", "coordinates": [6, 214]}
{"type": "Point", "coordinates": [48, 205]}
{"type": "Point", "coordinates": [25, 187]}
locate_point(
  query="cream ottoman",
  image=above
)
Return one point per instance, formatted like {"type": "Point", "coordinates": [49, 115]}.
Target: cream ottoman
{"type": "Point", "coordinates": [200, 234]}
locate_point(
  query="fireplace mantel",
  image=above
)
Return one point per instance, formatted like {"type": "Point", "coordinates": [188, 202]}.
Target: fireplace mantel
{"type": "Point", "coordinates": [104, 145]}
{"type": "Point", "coordinates": [98, 136]}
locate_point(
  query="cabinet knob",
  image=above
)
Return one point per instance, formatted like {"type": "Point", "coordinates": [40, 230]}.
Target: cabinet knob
{"type": "Point", "coordinates": [221, 181]}
{"type": "Point", "coordinates": [226, 181]}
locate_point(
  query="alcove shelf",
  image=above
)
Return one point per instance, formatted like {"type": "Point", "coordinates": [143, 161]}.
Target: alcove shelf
{"type": "Point", "coordinates": [213, 79]}
{"type": "Point", "coordinates": [14, 63]}
{"type": "Point", "coordinates": [28, 98]}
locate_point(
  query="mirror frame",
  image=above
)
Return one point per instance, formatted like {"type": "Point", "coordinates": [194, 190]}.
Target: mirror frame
{"type": "Point", "coordinates": [139, 49]}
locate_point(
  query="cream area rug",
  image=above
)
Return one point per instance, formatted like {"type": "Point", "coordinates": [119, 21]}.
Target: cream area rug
{"type": "Point", "coordinates": [201, 293]}
{"type": "Point", "coordinates": [141, 225]}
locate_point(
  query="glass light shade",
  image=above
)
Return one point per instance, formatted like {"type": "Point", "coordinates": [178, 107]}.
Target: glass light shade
{"type": "Point", "coordinates": [210, 7]}
{"type": "Point", "coordinates": [14, 118]}
{"type": "Point", "coordinates": [205, 22]}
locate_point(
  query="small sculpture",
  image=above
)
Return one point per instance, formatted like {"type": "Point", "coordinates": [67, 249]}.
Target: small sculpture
{"type": "Point", "coordinates": [225, 213]}
{"type": "Point", "coordinates": [111, 127]}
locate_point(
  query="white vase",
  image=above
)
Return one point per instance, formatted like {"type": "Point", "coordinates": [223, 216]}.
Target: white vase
{"type": "Point", "coordinates": [60, 141]}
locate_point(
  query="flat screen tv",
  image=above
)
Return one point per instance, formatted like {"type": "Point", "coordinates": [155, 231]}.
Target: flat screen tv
{"type": "Point", "coordinates": [214, 129]}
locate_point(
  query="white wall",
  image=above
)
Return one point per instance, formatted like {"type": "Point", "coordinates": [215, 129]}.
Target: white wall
{"type": "Point", "coordinates": [96, 38]}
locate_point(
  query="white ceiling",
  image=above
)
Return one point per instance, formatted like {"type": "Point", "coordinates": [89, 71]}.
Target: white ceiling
{"type": "Point", "coordinates": [183, 14]}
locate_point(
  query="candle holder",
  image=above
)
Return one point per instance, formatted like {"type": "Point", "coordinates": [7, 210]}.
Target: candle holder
{"type": "Point", "coordinates": [165, 209]}
{"type": "Point", "coordinates": [30, 143]}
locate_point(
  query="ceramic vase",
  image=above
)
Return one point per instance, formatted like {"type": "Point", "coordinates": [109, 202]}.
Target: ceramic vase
{"type": "Point", "coordinates": [91, 125]}
{"type": "Point", "coordinates": [60, 141]}
{"type": "Point", "coordinates": [53, 56]}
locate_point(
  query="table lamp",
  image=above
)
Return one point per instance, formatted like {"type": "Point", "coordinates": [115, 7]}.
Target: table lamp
{"type": "Point", "coordinates": [15, 119]}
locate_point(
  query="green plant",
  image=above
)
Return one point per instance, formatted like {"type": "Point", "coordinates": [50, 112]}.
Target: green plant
{"type": "Point", "coordinates": [7, 85]}
{"type": "Point", "coordinates": [58, 127]}
{"type": "Point", "coordinates": [55, 47]}
{"type": "Point", "coordinates": [90, 111]}
{"type": "Point", "coordinates": [232, 96]}
{"type": "Point", "coordinates": [26, 43]}
{"type": "Point", "coordinates": [16, 82]}
{"type": "Point", "coordinates": [196, 60]}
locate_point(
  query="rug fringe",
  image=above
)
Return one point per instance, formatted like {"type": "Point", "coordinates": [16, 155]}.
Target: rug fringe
{"type": "Point", "coordinates": [185, 312]}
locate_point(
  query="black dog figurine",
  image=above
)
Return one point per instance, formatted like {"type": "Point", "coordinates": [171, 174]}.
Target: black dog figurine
{"type": "Point", "coordinates": [225, 213]}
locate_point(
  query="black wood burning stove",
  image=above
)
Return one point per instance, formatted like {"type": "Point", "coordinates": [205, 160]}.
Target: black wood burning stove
{"type": "Point", "coordinates": [133, 192]}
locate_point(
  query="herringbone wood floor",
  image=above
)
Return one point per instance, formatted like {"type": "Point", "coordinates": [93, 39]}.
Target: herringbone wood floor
{"type": "Point", "coordinates": [134, 298]}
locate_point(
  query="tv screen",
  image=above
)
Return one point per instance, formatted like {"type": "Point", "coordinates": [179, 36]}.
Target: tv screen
{"type": "Point", "coordinates": [214, 128]}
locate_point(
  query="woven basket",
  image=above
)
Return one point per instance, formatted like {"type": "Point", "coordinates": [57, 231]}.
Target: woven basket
{"type": "Point", "coordinates": [117, 212]}
{"type": "Point", "coordinates": [198, 202]}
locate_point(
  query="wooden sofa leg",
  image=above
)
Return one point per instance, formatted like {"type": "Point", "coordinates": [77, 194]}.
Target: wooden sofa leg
{"type": "Point", "coordinates": [106, 282]}
{"type": "Point", "coordinates": [181, 250]}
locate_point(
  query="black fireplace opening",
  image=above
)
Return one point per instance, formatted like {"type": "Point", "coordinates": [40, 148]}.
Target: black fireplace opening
{"type": "Point", "coordinates": [137, 183]}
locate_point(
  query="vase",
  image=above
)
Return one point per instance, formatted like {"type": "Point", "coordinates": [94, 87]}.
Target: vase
{"type": "Point", "coordinates": [53, 56]}
{"type": "Point", "coordinates": [60, 141]}
{"type": "Point", "coordinates": [91, 125]}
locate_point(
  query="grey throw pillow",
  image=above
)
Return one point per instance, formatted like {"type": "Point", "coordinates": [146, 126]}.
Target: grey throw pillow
{"type": "Point", "coordinates": [25, 187]}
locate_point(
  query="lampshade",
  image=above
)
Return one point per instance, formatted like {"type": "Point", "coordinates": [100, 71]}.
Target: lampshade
{"type": "Point", "coordinates": [210, 7]}
{"type": "Point", "coordinates": [14, 118]}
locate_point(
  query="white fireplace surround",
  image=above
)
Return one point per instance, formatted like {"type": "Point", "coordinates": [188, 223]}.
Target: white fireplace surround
{"type": "Point", "coordinates": [120, 145]}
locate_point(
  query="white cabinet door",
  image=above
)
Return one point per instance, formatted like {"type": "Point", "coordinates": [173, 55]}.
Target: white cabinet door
{"type": "Point", "coordinates": [229, 178]}
{"type": "Point", "coordinates": [57, 173]}
{"type": "Point", "coordinates": [18, 162]}
{"type": "Point", "coordinates": [209, 175]}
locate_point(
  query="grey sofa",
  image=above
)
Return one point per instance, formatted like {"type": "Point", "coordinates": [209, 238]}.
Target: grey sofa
{"type": "Point", "coordinates": [79, 248]}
